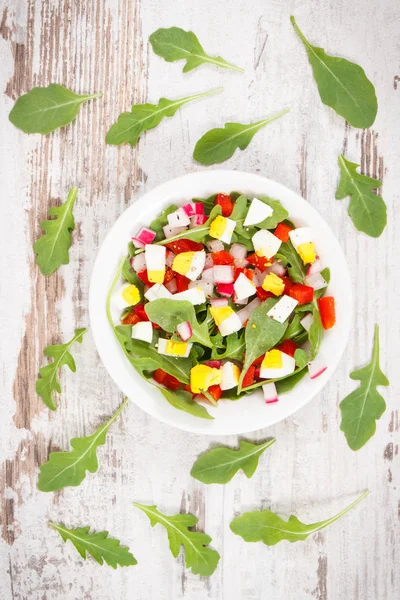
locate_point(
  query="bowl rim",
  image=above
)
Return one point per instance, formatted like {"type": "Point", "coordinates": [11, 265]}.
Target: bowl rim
{"type": "Point", "coordinates": [109, 256]}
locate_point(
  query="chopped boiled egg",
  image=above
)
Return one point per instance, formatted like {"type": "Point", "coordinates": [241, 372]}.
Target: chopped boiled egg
{"type": "Point", "coordinates": [230, 375]}
{"type": "Point", "coordinates": [157, 291]}
{"type": "Point", "coordinates": [274, 284]}
{"type": "Point", "coordinates": [190, 264]}
{"type": "Point", "coordinates": [266, 243]}
{"type": "Point", "coordinates": [126, 295]}
{"type": "Point", "coordinates": [307, 252]}
{"type": "Point", "coordinates": [194, 295]}
{"type": "Point", "coordinates": [257, 212]}
{"type": "Point", "coordinates": [276, 364]}
{"type": "Point", "coordinates": [155, 262]}
{"type": "Point", "coordinates": [171, 348]}
{"type": "Point", "coordinates": [202, 377]}
{"type": "Point", "coordinates": [222, 228]}
{"type": "Point", "coordinates": [282, 309]}
{"type": "Point", "coordinates": [143, 331]}
{"type": "Point", "coordinates": [244, 288]}
{"type": "Point", "coordinates": [226, 319]}
{"type": "Point", "coordinates": [302, 240]}
{"type": "Point", "coordinates": [178, 218]}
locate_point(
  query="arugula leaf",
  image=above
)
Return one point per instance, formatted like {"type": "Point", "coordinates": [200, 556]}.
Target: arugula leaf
{"type": "Point", "coordinates": [261, 334]}
{"type": "Point", "coordinates": [169, 313]}
{"type": "Point", "coordinates": [217, 145]}
{"type": "Point", "coordinates": [288, 383]}
{"type": "Point", "coordinates": [199, 557]}
{"type": "Point", "coordinates": [45, 109]}
{"type": "Point", "coordinates": [326, 274]}
{"type": "Point", "coordinates": [316, 332]}
{"type": "Point", "coordinates": [267, 527]}
{"type": "Point", "coordinates": [197, 234]}
{"type": "Point", "coordinates": [239, 213]}
{"type": "Point", "coordinates": [294, 328]}
{"type": "Point", "coordinates": [131, 125]}
{"type": "Point", "coordinates": [363, 407]}
{"type": "Point", "coordinates": [367, 210]}
{"type": "Point", "coordinates": [279, 214]}
{"type": "Point", "coordinates": [292, 261]}
{"type": "Point", "coordinates": [234, 348]}
{"type": "Point", "coordinates": [157, 224]}
{"type": "Point", "coordinates": [129, 274]}
{"type": "Point", "coordinates": [219, 465]}
{"type": "Point", "coordinates": [69, 468]}
{"type": "Point", "coordinates": [98, 545]}
{"type": "Point", "coordinates": [342, 85]}
{"type": "Point", "coordinates": [174, 44]}
{"type": "Point", "coordinates": [52, 248]}
{"type": "Point", "coordinates": [301, 358]}
{"type": "Point", "coordinates": [183, 400]}
{"type": "Point", "coordinates": [48, 381]}
{"type": "Point", "coordinates": [208, 202]}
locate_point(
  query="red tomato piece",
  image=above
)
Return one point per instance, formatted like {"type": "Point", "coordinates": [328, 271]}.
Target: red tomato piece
{"type": "Point", "coordinates": [249, 377]}
{"type": "Point", "coordinates": [222, 258]}
{"type": "Point", "coordinates": [282, 232]}
{"type": "Point", "coordinates": [169, 275]}
{"type": "Point", "coordinates": [171, 382]}
{"type": "Point", "coordinates": [131, 319]}
{"type": "Point", "coordinates": [261, 262]}
{"type": "Point", "coordinates": [302, 293]}
{"type": "Point", "coordinates": [258, 360]}
{"type": "Point", "coordinates": [159, 376]}
{"type": "Point", "coordinates": [215, 391]}
{"type": "Point", "coordinates": [182, 282]}
{"type": "Point", "coordinates": [225, 203]}
{"type": "Point", "coordinates": [263, 295]}
{"type": "Point", "coordinates": [288, 284]}
{"type": "Point", "coordinates": [184, 246]}
{"type": "Point", "coordinates": [144, 277]}
{"type": "Point", "coordinates": [287, 347]}
{"type": "Point", "coordinates": [327, 311]}
{"type": "Point", "coordinates": [141, 313]}
{"type": "Point", "coordinates": [248, 272]}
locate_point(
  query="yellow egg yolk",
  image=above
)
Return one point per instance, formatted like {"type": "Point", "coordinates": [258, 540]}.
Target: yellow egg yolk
{"type": "Point", "coordinates": [183, 262]}
{"type": "Point", "coordinates": [272, 360]}
{"type": "Point", "coordinates": [274, 284]}
{"type": "Point", "coordinates": [307, 252]}
{"type": "Point", "coordinates": [218, 227]}
{"type": "Point", "coordinates": [176, 348]}
{"type": "Point", "coordinates": [156, 276]}
{"type": "Point", "coordinates": [219, 314]}
{"type": "Point", "coordinates": [131, 295]}
{"type": "Point", "coordinates": [202, 377]}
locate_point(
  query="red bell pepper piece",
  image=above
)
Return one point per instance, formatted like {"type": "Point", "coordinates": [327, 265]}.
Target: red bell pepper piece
{"type": "Point", "coordinates": [327, 311]}
{"type": "Point", "coordinates": [215, 391]}
{"type": "Point", "coordinates": [248, 272]}
{"type": "Point", "coordinates": [171, 382]}
{"type": "Point", "coordinates": [248, 379]}
{"type": "Point", "coordinates": [225, 203]}
{"type": "Point", "coordinates": [261, 262]}
{"type": "Point", "coordinates": [141, 313]}
{"type": "Point", "coordinates": [258, 360]}
{"type": "Point", "coordinates": [282, 232]}
{"type": "Point", "coordinates": [262, 294]}
{"type": "Point", "coordinates": [184, 246]}
{"type": "Point", "coordinates": [288, 347]}
{"type": "Point", "coordinates": [169, 275]}
{"type": "Point", "coordinates": [222, 258]}
{"type": "Point", "coordinates": [131, 318]}
{"type": "Point", "coordinates": [182, 282]}
{"type": "Point", "coordinates": [159, 376]}
{"type": "Point", "coordinates": [144, 277]}
{"type": "Point", "coordinates": [302, 293]}
{"type": "Point", "coordinates": [288, 284]}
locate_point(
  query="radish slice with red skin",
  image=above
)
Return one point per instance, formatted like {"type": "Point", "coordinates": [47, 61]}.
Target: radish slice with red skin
{"type": "Point", "coordinates": [276, 268]}
{"type": "Point", "coordinates": [315, 267]}
{"type": "Point", "coordinates": [317, 366]}
{"type": "Point", "coordinates": [178, 218]}
{"type": "Point", "coordinates": [197, 220]}
{"type": "Point", "coordinates": [214, 364]}
{"type": "Point", "coordinates": [238, 251]}
{"type": "Point", "coordinates": [193, 208]}
{"type": "Point", "coordinates": [208, 274]}
{"type": "Point", "coordinates": [244, 313]}
{"type": "Point", "coordinates": [215, 246]}
{"type": "Point", "coordinates": [209, 263]}
{"type": "Point", "coordinates": [219, 302]}
{"type": "Point", "coordinates": [225, 289]}
{"type": "Point", "coordinates": [270, 393]}
{"type": "Point", "coordinates": [223, 274]}
{"type": "Point", "coordinates": [185, 331]}
{"type": "Point", "coordinates": [171, 231]}
{"type": "Point", "coordinates": [169, 258]}
{"type": "Point", "coordinates": [138, 262]}
{"type": "Point", "coordinates": [145, 236]}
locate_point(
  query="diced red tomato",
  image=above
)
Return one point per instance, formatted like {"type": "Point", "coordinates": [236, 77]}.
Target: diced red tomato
{"type": "Point", "coordinates": [184, 246]}
{"type": "Point", "coordinates": [288, 284]}
{"type": "Point", "coordinates": [327, 311]}
{"type": "Point", "coordinates": [258, 360]}
{"type": "Point", "coordinates": [248, 272]}
{"type": "Point", "coordinates": [262, 294]}
{"type": "Point", "coordinates": [155, 326]}
{"type": "Point", "coordinates": [182, 282]}
{"type": "Point", "coordinates": [282, 232]}
{"type": "Point", "coordinates": [302, 293]}
{"type": "Point", "coordinates": [141, 313]}
{"type": "Point", "coordinates": [159, 376]}
{"type": "Point", "coordinates": [288, 347]}
{"type": "Point", "coordinates": [249, 377]}
{"type": "Point", "coordinates": [131, 319]}
{"type": "Point", "coordinates": [225, 203]}
{"type": "Point", "coordinates": [169, 275]}
{"type": "Point", "coordinates": [259, 261]}
{"type": "Point", "coordinates": [215, 391]}
{"type": "Point", "coordinates": [222, 258]}
{"type": "Point", "coordinates": [144, 277]}
{"type": "Point", "coordinates": [171, 382]}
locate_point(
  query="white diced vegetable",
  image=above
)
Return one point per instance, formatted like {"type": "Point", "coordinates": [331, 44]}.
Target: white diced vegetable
{"type": "Point", "coordinates": [266, 243]}
{"type": "Point", "coordinates": [283, 309]}
{"type": "Point", "coordinates": [257, 212]}
{"type": "Point", "coordinates": [143, 331]}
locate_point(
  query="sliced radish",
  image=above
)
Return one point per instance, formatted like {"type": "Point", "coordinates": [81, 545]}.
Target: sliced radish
{"type": "Point", "coordinates": [215, 246]}
{"type": "Point", "coordinates": [197, 220]}
{"type": "Point", "coordinates": [317, 366]}
{"type": "Point", "coordinates": [171, 231]}
{"type": "Point", "coordinates": [169, 258]}
{"type": "Point", "coordinates": [193, 208]}
{"type": "Point", "coordinates": [206, 286]}
{"type": "Point", "coordinates": [315, 281]}
{"type": "Point", "coordinates": [209, 263]}
{"type": "Point", "coordinates": [241, 302]}
{"type": "Point", "coordinates": [214, 364]}
{"type": "Point", "coordinates": [225, 289]}
{"type": "Point", "coordinates": [306, 321]}
{"type": "Point", "coordinates": [270, 393]}
{"type": "Point", "coordinates": [185, 331]}
{"type": "Point", "coordinates": [244, 313]}
{"type": "Point", "coordinates": [223, 274]}
{"type": "Point", "coordinates": [208, 274]}
{"type": "Point", "coordinates": [315, 267]}
{"type": "Point", "coordinates": [178, 218]}
{"type": "Point", "coordinates": [256, 279]}
{"type": "Point", "coordinates": [276, 268]}
{"type": "Point", "coordinates": [138, 262]}
{"type": "Point", "coordinates": [145, 236]}
{"type": "Point", "coordinates": [172, 286]}
{"type": "Point", "coordinates": [238, 251]}
{"type": "Point", "coordinates": [219, 302]}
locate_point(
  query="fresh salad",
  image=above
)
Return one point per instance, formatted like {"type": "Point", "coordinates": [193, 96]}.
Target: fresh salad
{"type": "Point", "coordinates": [221, 296]}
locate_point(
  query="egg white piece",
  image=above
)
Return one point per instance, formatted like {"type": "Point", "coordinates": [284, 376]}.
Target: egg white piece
{"type": "Point", "coordinates": [230, 325]}
{"type": "Point", "coordinates": [288, 366]}
{"type": "Point", "coordinates": [228, 231]}
{"type": "Point", "coordinates": [143, 331]}
{"type": "Point", "coordinates": [283, 309]}
{"type": "Point", "coordinates": [178, 218]}
{"type": "Point", "coordinates": [197, 265]}
{"type": "Point", "coordinates": [162, 348]}
{"type": "Point", "coordinates": [157, 291]}
{"type": "Point", "coordinates": [194, 295]}
{"type": "Point", "coordinates": [257, 212]}
{"type": "Point", "coordinates": [155, 257]}
{"type": "Point", "coordinates": [266, 243]}
{"type": "Point", "coordinates": [118, 301]}
{"type": "Point", "coordinates": [243, 287]}
{"type": "Point", "coordinates": [301, 235]}
{"type": "Point", "coordinates": [230, 376]}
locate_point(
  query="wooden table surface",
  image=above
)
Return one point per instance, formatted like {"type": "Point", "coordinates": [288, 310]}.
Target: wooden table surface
{"type": "Point", "coordinates": [102, 45]}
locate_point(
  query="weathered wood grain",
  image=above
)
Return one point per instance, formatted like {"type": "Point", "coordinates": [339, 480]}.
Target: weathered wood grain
{"type": "Point", "coordinates": [102, 45]}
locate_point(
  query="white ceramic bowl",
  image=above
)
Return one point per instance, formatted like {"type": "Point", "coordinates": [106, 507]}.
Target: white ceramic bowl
{"type": "Point", "coordinates": [249, 413]}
